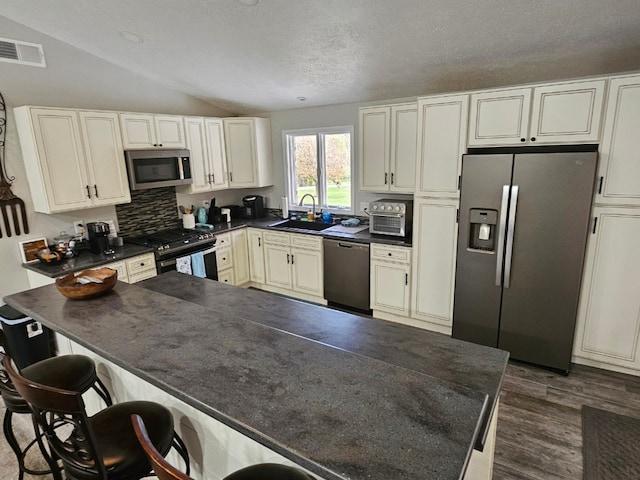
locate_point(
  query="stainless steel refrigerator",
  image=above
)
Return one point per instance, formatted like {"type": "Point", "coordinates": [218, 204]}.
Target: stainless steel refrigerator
{"type": "Point", "coordinates": [523, 226]}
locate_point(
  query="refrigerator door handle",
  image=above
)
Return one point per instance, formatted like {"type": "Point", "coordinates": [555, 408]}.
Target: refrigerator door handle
{"type": "Point", "coordinates": [501, 229]}
{"type": "Point", "coordinates": [510, 233]}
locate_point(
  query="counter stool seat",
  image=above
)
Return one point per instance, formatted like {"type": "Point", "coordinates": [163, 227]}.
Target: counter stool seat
{"type": "Point", "coordinates": [100, 447]}
{"type": "Point", "coordinates": [73, 372]}
{"type": "Point", "coordinates": [165, 471]}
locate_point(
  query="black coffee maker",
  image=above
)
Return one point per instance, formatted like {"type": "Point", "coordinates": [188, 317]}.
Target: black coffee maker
{"type": "Point", "coordinates": [98, 237]}
{"type": "Point", "coordinates": [253, 207]}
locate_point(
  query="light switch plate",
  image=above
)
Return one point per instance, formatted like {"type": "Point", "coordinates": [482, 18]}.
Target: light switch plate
{"type": "Point", "coordinates": [364, 206]}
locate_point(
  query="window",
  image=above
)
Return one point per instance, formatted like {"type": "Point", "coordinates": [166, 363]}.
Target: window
{"type": "Point", "coordinates": [319, 162]}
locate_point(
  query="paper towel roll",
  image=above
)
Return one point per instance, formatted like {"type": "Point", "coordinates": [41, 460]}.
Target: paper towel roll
{"type": "Point", "coordinates": [285, 207]}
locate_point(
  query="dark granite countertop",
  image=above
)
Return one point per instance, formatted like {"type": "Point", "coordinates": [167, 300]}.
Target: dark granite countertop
{"type": "Point", "coordinates": [364, 408]}
{"type": "Point", "coordinates": [85, 260]}
{"type": "Point", "coordinates": [360, 237]}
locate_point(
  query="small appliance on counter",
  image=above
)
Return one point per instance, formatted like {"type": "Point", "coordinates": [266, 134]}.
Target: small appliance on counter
{"type": "Point", "coordinates": [253, 207]}
{"type": "Point", "coordinates": [234, 211]}
{"type": "Point", "coordinates": [215, 213]}
{"type": "Point", "coordinates": [99, 238]}
{"type": "Point", "coordinates": [390, 216]}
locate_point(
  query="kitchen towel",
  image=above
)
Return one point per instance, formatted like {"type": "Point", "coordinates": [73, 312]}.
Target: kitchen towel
{"type": "Point", "coordinates": [197, 265]}
{"type": "Point", "coordinates": [183, 265]}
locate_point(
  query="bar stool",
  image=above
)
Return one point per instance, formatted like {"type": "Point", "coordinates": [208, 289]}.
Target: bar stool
{"type": "Point", "coordinates": [76, 372]}
{"type": "Point", "coordinates": [100, 447]}
{"type": "Point", "coordinates": [165, 471]}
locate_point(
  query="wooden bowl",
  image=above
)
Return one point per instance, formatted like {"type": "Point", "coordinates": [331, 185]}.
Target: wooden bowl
{"type": "Point", "coordinates": [70, 287]}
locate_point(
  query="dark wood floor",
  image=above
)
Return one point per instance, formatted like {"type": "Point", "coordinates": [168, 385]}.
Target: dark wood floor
{"type": "Point", "coordinates": [540, 423]}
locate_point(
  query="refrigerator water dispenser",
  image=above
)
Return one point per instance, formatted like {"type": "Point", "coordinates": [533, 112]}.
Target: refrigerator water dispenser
{"type": "Point", "coordinates": [482, 223]}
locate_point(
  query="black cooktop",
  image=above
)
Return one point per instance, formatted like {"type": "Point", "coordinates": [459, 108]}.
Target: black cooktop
{"type": "Point", "coordinates": [166, 241]}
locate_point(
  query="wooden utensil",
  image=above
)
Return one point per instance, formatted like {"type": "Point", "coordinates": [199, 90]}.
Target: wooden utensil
{"type": "Point", "coordinates": [9, 202]}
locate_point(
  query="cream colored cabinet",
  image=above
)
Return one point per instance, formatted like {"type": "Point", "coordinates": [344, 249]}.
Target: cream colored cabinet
{"type": "Point", "coordinates": [239, 248]}
{"type": "Point", "coordinates": [435, 231]}
{"type": "Point", "coordinates": [608, 326]}
{"type": "Point", "coordinates": [140, 130]}
{"type": "Point", "coordinates": [619, 171]}
{"type": "Point", "coordinates": [255, 243]}
{"type": "Point", "coordinates": [135, 269]}
{"type": "Point", "coordinates": [567, 112]}
{"type": "Point", "coordinates": [248, 147]}
{"type": "Point", "coordinates": [442, 140]}
{"type": "Point", "coordinates": [387, 148]}
{"type": "Point", "coordinates": [74, 158]}
{"type": "Point", "coordinates": [294, 262]}
{"type": "Point", "coordinates": [390, 279]}
{"type": "Point", "coordinates": [224, 258]}
{"type": "Point", "coordinates": [232, 257]}
{"type": "Point", "coordinates": [205, 141]}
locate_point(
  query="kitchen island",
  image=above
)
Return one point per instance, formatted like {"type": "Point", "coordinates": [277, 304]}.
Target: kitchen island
{"type": "Point", "coordinates": [343, 396]}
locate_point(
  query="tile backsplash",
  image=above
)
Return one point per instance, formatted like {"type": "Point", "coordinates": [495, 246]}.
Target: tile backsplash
{"type": "Point", "coordinates": [150, 210]}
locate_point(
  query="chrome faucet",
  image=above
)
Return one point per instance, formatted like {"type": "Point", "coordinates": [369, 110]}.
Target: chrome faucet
{"type": "Point", "coordinates": [314, 203]}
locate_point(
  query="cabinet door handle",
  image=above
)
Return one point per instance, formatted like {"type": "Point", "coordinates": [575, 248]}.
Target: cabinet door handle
{"type": "Point", "coordinates": [595, 223]}
{"type": "Point", "coordinates": [523, 140]}
{"type": "Point", "coordinates": [391, 178]}
{"type": "Point", "coordinates": [230, 176]}
{"type": "Point", "coordinates": [259, 242]}
{"type": "Point", "coordinates": [95, 187]}
{"type": "Point", "coordinates": [533, 139]}
{"type": "Point", "coordinates": [288, 258]}
{"type": "Point", "coordinates": [292, 259]}
{"type": "Point", "coordinates": [600, 186]}
{"type": "Point", "coordinates": [406, 279]}
{"type": "Point", "coordinates": [88, 192]}
{"type": "Point", "coordinates": [213, 178]}
{"type": "Point", "coordinates": [385, 177]}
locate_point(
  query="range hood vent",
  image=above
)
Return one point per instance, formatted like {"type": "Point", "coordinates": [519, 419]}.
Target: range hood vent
{"type": "Point", "coordinates": [24, 53]}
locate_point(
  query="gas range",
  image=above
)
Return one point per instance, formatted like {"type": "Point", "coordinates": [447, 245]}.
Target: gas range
{"type": "Point", "coordinates": [175, 241]}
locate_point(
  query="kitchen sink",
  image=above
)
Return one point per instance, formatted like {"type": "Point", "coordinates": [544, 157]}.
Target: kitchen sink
{"type": "Point", "coordinates": [300, 225]}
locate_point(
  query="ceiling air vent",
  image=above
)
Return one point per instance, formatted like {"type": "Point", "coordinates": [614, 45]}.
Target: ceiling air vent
{"type": "Point", "coordinates": [24, 53]}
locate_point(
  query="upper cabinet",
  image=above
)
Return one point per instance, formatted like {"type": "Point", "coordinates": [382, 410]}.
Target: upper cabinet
{"type": "Point", "coordinates": [567, 112]}
{"type": "Point", "coordinates": [248, 147]}
{"type": "Point", "coordinates": [442, 139]}
{"type": "Point", "coordinates": [74, 158]}
{"type": "Point", "coordinates": [141, 130]}
{"type": "Point", "coordinates": [205, 141]}
{"type": "Point", "coordinates": [387, 148]}
{"type": "Point", "coordinates": [619, 158]}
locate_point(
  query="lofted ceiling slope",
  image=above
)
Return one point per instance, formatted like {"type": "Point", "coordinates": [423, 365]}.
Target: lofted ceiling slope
{"type": "Point", "coordinates": [252, 59]}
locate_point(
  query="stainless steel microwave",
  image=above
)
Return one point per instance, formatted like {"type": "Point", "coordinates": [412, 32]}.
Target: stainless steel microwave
{"type": "Point", "coordinates": [157, 168]}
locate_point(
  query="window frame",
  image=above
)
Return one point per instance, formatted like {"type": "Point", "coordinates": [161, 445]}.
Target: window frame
{"type": "Point", "coordinates": [290, 182]}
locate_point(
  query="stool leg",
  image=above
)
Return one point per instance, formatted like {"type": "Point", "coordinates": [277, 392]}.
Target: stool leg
{"type": "Point", "coordinates": [181, 448]}
{"type": "Point", "coordinates": [102, 391]}
{"type": "Point", "coordinates": [54, 468]}
{"type": "Point", "coordinates": [13, 443]}
{"type": "Point", "coordinates": [7, 426]}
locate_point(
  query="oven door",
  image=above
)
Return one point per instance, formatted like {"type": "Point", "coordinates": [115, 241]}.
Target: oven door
{"type": "Point", "coordinates": [210, 262]}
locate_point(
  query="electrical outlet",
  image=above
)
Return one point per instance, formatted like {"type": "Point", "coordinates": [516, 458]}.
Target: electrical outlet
{"type": "Point", "coordinates": [364, 206]}
{"type": "Point", "coordinates": [205, 203]}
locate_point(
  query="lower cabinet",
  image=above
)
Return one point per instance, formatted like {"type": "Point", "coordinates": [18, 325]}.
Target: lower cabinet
{"type": "Point", "coordinates": [135, 269]}
{"type": "Point", "coordinates": [232, 257]}
{"type": "Point", "coordinates": [255, 244]}
{"type": "Point", "coordinates": [608, 326]}
{"type": "Point", "coordinates": [294, 263]}
{"type": "Point", "coordinates": [390, 279]}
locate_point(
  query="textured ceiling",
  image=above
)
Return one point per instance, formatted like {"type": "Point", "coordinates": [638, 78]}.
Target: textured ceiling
{"type": "Point", "coordinates": [253, 59]}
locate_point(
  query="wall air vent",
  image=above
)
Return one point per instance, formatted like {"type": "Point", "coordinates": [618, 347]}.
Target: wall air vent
{"type": "Point", "coordinates": [24, 53]}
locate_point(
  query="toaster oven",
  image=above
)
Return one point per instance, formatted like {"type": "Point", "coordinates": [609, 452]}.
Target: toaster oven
{"type": "Point", "coordinates": [390, 216]}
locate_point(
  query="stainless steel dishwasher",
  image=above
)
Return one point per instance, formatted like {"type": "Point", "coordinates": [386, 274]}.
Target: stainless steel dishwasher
{"type": "Point", "coordinates": [346, 273]}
